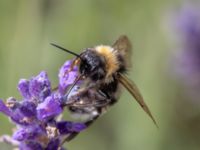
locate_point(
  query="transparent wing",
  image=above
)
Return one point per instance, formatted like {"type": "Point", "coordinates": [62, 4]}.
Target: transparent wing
{"type": "Point", "coordinates": [132, 88]}
{"type": "Point", "coordinates": [124, 47]}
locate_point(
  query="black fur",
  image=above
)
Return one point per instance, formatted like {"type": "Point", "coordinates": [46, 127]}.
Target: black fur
{"type": "Point", "coordinates": [92, 65]}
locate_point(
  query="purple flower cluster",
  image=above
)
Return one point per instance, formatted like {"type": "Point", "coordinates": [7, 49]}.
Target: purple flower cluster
{"type": "Point", "coordinates": [38, 115]}
{"type": "Point", "coordinates": [187, 61]}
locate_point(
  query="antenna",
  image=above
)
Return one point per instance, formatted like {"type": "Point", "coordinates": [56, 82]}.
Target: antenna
{"type": "Point", "coordinates": [66, 50]}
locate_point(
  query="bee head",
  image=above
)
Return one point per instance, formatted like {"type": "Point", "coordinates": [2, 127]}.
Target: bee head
{"type": "Point", "coordinates": [92, 65]}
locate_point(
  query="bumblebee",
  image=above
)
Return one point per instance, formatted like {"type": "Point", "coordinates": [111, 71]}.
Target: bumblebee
{"type": "Point", "coordinates": [103, 69]}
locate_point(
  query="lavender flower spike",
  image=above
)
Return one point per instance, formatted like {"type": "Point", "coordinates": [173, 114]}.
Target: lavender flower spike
{"type": "Point", "coordinates": [35, 116]}
{"type": "Point", "coordinates": [187, 61]}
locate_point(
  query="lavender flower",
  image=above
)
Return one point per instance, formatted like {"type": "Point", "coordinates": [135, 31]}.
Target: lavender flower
{"type": "Point", "coordinates": [67, 76]}
{"type": "Point", "coordinates": [36, 115]}
{"type": "Point", "coordinates": [187, 60]}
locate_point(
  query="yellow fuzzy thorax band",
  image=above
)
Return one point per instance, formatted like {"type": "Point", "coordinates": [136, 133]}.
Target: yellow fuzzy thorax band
{"type": "Point", "coordinates": [110, 56]}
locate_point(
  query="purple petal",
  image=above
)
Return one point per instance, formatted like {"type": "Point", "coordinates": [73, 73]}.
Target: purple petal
{"type": "Point", "coordinates": [67, 77]}
{"type": "Point", "coordinates": [53, 144]}
{"type": "Point", "coordinates": [4, 109]}
{"type": "Point", "coordinates": [28, 109]}
{"type": "Point", "coordinates": [20, 135]}
{"type": "Point", "coordinates": [19, 118]}
{"type": "Point", "coordinates": [20, 115]}
{"type": "Point", "coordinates": [23, 87]}
{"type": "Point", "coordinates": [66, 127]}
{"type": "Point", "coordinates": [28, 133]}
{"type": "Point", "coordinates": [77, 127]}
{"type": "Point", "coordinates": [30, 145]}
{"type": "Point", "coordinates": [23, 113]}
{"type": "Point", "coordinates": [48, 109]}
{"type": "Point", "coordinates": [40, 86]}
{"type": "Point", "coordinates": [8, 139]}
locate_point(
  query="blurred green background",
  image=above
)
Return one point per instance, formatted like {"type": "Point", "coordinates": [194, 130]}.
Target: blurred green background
{"type": "Point", "coordinates": [28, 26]}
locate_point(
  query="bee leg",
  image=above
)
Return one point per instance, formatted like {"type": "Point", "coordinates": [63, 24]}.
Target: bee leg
{"type": "Point", "coordinates": [102, 100]}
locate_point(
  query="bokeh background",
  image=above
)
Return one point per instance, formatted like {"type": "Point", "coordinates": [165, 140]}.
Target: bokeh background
{"type": "Point", "coordinates": [28, 26]}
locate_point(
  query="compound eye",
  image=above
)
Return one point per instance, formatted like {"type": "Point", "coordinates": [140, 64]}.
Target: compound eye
{"type": "Point", "coordinates": [85, 68]}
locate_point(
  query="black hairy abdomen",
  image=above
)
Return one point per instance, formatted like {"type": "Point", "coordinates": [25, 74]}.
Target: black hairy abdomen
{"type": "Point", "coordinates": [109, 89]}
